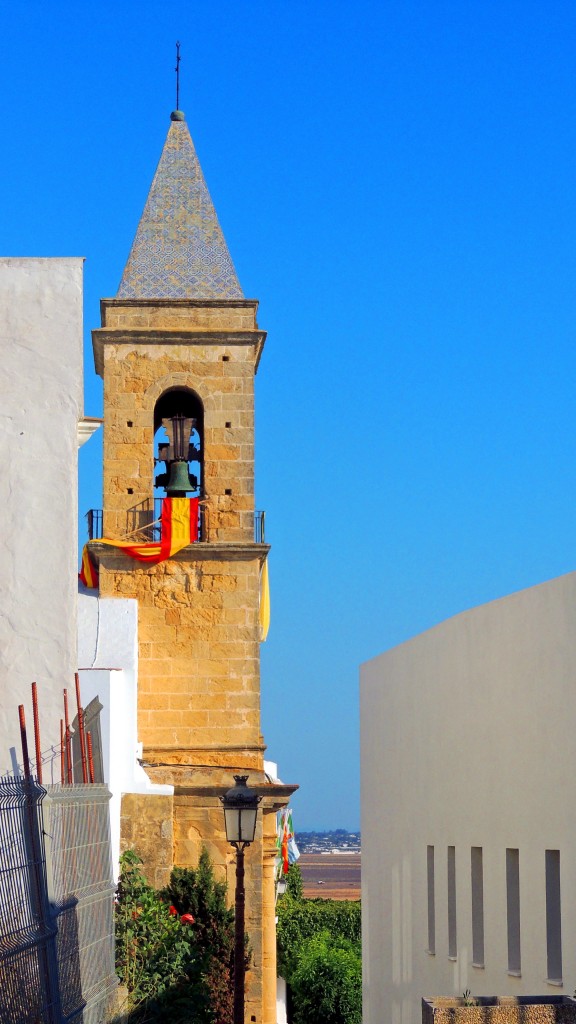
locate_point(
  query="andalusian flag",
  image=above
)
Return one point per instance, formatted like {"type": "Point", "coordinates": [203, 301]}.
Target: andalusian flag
{"type": "Point", "coordinates": [179, 527]}
{"type": "Point", "coordinates": [288, 852]}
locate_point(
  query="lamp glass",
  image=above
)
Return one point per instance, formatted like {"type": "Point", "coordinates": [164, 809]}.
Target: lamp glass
{"type": "Point", "coordinates": [240, 824]}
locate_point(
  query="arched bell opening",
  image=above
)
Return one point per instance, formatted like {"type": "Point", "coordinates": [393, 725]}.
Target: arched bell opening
{"type": "Point", "coordinates": [178, 444]}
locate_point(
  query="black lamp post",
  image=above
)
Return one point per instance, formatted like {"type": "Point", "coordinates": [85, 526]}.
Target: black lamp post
{"type": "Point", "coordinates": [240, 812]}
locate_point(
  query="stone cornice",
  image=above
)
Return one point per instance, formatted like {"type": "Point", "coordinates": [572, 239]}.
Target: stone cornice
{"type": "Point", "coordinates": [144, 336]}
{"type": "Point", "coordinates": [179, 303]}
{"type": "Point", "coordinates": [274, 795]}
{"type": "Point", "coordinates": [203, 551]}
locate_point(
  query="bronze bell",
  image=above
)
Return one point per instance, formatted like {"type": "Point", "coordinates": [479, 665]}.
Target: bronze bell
{"type": "Point", "coordinates": [179, 480]}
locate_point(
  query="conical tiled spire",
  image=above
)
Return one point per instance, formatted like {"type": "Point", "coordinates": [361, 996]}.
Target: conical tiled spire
{"type": "Point", "coordinates": [179, 250]}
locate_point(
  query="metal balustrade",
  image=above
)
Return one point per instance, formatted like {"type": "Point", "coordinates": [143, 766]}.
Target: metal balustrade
{"type": "Point", "coordinates": [143, 523]}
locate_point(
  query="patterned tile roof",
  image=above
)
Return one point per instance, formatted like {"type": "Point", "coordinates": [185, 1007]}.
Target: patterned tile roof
{"type": "Point", "coordinates": [179, 250]}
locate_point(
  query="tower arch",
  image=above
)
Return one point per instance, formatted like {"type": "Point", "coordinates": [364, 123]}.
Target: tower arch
{"type": "Point", "coordinates": [178, 421]}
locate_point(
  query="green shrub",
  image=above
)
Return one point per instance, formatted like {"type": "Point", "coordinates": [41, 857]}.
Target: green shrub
{"type": "Point", "coordinates": [197, 892]}
{"type": "Point", "coordinates": [326, 981]}
{"type": "Point", "coordinates": [299, 920]}
{"type": "Point", "coordinates": [155, 957]}
{"type": "Point", "coordinates": [319, 955]}
{"type": "Point", "coordinates": [294, 883]}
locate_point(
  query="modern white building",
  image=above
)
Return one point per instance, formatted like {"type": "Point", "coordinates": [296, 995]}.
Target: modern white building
{"type": "Point", "coordinates": [41, 427]}
{"type": "Point", "coordinates": [468, 743]}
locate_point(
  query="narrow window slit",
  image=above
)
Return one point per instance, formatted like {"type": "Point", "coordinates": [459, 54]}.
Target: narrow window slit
{"type": "Point", "coordinates": [553, 917]}
{"type": "Point", "coordinates": [513, 911]}
{"type": "Point", "coordinates": [431, 900]}
{"type": "Point", "coordinates": [452, 936]}
{"type": "Point", "coordinates": [477, 907]}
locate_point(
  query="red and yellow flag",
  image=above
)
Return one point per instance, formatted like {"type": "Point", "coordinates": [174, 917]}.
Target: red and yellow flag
{"type": "Point", "coordinates": [179, 527]}
{"type": "Point", "coordinates": [88, 574]}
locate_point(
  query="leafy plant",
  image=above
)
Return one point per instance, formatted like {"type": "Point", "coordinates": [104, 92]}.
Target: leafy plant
{"type": "Point", "coordinates": [326, 981]}
{"type": "Point", "coordinates": [154, 953]}
{"type": "Point", "coordinates": [468, 999]}
{"type": "Point", "coordinates": [300, 919]}
{"type": "Point", "coordinates": [196, 892]}
{"type": "Point", "coordinates": [294, 883]}
{"type": "Point", "coordinates": [319, 955]}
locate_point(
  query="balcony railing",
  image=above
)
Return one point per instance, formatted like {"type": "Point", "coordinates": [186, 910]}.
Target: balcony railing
{"type": "Point", "coordinates": [143, 523]}
{"type": "Point", "coordinates": [259, 522]}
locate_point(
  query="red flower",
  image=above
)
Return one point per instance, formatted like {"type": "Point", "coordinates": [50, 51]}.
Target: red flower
{"type": "Point", "coordinates": [173, 911]}
{"type": "Point", "coordinates": [187, 919]}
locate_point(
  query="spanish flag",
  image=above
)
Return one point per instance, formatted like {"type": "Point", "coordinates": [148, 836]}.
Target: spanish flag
{"type": "Point", "coordinates": [88, 574]}
{"type": "Point", "coordinates": [179, 527]}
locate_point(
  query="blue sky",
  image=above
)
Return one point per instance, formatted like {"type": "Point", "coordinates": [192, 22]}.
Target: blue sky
{"type": "Point", "coordinates": [396, 184]}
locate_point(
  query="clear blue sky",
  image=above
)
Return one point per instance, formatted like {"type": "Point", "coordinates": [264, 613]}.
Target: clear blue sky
{"type": "Point", "coordinates": [397, 185]}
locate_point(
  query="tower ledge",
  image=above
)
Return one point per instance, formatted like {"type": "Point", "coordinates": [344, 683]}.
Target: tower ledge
{"type": "Point", "coordinates": [177, 321]}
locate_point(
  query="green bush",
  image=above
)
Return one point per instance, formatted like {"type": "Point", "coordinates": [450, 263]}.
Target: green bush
{"type": "Point", "coordinates": [319, 955]}
{"type": "Point", "coordinates": [326, 981]}
{"type": "Point", "coordinates": [300, 919]}
{"type": "Point", "coordinates": [174, 949]}
{"type": "Point", "coordinates": [197, 892]}
{"type": "Point", "coordinates": [294, 883]}
{"type": "Point", "coordinates": [155, 957]}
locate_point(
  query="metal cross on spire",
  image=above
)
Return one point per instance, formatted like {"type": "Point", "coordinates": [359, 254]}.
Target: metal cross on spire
{"type": "Point", "coordinates": [177, 70]}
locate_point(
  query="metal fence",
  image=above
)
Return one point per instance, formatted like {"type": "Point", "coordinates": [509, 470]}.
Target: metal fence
{"type": "Point", "coordinates": [56, 904]}
{"type": "Point", "coordinates": [143, 522]}
{"type": "Point", "coordinates": [28, 969]}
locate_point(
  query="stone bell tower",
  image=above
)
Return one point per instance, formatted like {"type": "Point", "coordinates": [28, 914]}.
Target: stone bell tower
{"type": "Point", "coordinates": [180, 342]}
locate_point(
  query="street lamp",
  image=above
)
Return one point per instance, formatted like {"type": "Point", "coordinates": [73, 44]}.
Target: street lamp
{"type": "Point", "coordinates": [240, 812]}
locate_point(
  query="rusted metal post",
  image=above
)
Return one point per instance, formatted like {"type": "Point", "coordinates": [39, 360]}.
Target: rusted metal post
{"type": "Point", "coordinates": [81, 730]}
{"type": "Point", "coordinates": [24, 739]}
{"type": "Point", "coordinates": [62, 752]}
{"type": "Point", "coordinates": [68, 743]}
{"type": "Point", "coordinates": [90, 756]}
{"type": "Point", "coordinates": [37, 733]}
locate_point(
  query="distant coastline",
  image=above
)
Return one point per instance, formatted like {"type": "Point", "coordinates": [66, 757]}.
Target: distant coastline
{"type": "Point", "coordinates": [335, 841]}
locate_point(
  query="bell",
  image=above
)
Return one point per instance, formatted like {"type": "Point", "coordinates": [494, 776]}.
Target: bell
{"type": "Point", "coordinates": [179, 480]}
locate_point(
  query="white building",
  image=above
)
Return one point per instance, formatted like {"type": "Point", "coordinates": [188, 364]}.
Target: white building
{"type": "Point", "coordinates": [41, 428]}
{"type": "Point", "coordinates": [468, 795]}
{"type": "Point", "coordinates": [48, 629]}
{"type": "Point", "coordinates": [108, 670]}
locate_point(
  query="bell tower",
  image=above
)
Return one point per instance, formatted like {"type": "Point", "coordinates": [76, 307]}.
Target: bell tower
{"type": "Point", "coordinates": [178, 351]}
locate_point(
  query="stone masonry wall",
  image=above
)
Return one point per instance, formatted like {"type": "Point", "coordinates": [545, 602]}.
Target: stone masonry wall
{"type": "Point", "coordinates": [223, 377]}
{"type": "Point", "coordinates": [199, 674]}
{"type": "Point", "coordinates": [145, 348]}
{"type": "Point", "coordinates": [199, 683]}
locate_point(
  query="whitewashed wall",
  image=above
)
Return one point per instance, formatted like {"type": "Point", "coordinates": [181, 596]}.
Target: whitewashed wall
{"type": "Point", "coordinates": [40, 405]}
{"type": "Point", "coordinates": [108, 660]}
{"type": "Point", "coordinates": [468, 739]}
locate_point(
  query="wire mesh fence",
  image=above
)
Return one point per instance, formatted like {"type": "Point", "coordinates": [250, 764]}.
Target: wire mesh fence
{"type": "Point", "coordinates": [56, 904]}
{"type": "Point", "coordinates": [82, 894]}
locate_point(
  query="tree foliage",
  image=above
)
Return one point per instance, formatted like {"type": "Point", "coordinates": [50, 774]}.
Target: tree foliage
{"type": "Point", "coordinates": [197, 892]}
{"type": "Point", "coordinates": [300, 919]}
{"type": "Point", "coordinates": [174, 949]}
{"type": "Point", "coordinates": [326, 981]}
{"type": "Point", "coordinates": [156, 959]}
{"type": "Point", "coordinates": [319, 955]}
{"type": "Point", "coordinates": [294, 883]}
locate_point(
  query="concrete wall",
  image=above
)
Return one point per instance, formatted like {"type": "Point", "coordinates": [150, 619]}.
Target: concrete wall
{"type": "Point", "coordinates": [41, 389]}
{"type": "Point", "coordinates": [468, 740]}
